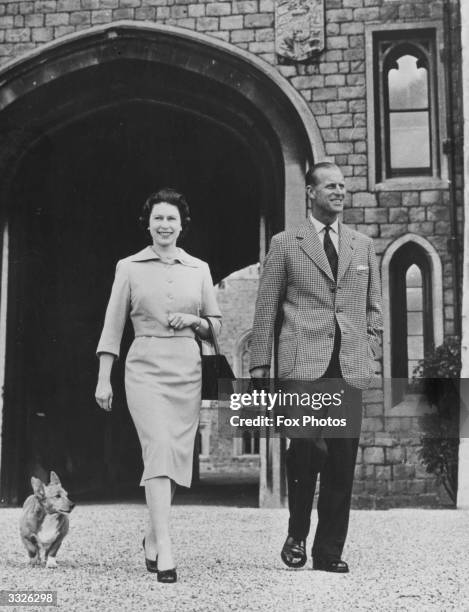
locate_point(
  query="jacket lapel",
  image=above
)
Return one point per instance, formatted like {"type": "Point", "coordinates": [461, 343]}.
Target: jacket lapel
{"type": "Point", "coordinates": [346, 240]}
{"type": "Point", "coordinates": [309, 242]}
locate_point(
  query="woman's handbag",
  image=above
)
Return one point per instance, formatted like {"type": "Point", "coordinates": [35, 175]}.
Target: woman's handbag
{"type": "Point", "coordinates": [214, 368]}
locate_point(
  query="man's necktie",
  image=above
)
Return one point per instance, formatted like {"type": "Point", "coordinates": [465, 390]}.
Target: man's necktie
{"type": "Point", "coordinates": [330, 251]}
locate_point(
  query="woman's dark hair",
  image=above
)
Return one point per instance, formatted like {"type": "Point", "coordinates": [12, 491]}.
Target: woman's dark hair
{"type": "Point", "coordinates": [170, 196]}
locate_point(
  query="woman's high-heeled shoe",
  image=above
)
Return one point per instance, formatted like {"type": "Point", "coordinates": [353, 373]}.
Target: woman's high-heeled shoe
{"type": "Point", "coordinates": [167, 576]}
{"type": "Point", "coordinates": [152, 566]}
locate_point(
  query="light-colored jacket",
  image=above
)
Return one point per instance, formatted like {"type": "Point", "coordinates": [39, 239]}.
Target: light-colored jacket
{"type": "Point", "coordinates": [148, 290]}
{"type": "Point", "coordinates": [299, 296]}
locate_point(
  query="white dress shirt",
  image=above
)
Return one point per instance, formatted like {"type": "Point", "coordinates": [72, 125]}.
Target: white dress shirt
{"type": "Point", "coordinates": [333, 233]}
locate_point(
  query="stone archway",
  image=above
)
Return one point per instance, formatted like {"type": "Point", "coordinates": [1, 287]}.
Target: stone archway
{"type": "Point", "coordinates": [54, 103]}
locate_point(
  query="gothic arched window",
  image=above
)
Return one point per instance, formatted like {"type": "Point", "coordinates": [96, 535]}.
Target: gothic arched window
{"type": "Point", "coordinates": [411, 313]}
{"type": "Point", "coordinates": [406, 127]}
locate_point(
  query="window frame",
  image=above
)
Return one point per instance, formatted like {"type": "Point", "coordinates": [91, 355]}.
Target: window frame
{"type": "Point", "coordinates": [409, 35]}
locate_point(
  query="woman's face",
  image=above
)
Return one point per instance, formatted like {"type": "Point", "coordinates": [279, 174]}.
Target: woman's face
{"type": "Point", "coordinates": [164, 224]}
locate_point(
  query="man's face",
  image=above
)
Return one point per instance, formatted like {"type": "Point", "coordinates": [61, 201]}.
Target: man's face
{"type": "Point", "coordinates": [328, 195]}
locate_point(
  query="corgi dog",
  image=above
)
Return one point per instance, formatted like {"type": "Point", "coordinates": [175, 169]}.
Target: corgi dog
{"type": "Point", "coordinates": [44, 522]}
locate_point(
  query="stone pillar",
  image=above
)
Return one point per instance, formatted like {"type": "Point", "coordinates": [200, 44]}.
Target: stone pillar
{"type": "Point", "coordinates": [463, 477]}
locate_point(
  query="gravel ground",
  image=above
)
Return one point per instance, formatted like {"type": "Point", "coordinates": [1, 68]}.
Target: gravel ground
{"type": "Point", "coordinates": [228, 559]}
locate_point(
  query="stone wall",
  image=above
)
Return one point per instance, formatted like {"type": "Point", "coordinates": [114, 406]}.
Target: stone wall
{"type": "Point", "coordinates": [335, 87]}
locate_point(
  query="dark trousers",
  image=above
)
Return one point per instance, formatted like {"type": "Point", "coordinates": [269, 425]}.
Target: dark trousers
{"type": "Point", "coordinates": [334, 458]}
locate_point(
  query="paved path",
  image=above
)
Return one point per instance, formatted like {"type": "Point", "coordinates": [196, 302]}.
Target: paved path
{"type": "Point", "coordinates": [228, 559]}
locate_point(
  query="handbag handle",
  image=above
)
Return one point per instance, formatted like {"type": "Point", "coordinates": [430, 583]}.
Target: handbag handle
{"type": "Point", "coordinates": [216, 346]}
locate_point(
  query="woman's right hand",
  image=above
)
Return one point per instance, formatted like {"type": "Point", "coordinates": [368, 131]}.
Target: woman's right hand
{"type": "Point", "coordinates": [103, 395]}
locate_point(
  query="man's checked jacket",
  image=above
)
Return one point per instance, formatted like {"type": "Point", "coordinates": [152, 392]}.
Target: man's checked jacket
{"type": "Point", "coordinates": [299, 298]}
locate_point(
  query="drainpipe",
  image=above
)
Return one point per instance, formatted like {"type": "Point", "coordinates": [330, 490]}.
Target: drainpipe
{"type": "Point", "coordinates": [452, 31]}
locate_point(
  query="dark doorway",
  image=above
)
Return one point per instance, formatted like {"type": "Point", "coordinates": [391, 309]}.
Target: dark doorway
{"type": "Point", "coordinates": [72, 214]}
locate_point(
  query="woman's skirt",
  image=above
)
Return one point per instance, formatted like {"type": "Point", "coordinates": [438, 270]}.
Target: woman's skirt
{"type": "Point", "coordinates": [163, 383]}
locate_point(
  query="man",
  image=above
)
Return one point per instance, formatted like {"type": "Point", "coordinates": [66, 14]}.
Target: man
{"type": "Point", "coordinates": [320, 288]}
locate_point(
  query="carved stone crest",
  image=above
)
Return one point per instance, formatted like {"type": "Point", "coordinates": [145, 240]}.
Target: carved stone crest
{"type": "Point", "coordinates": [299, 28]}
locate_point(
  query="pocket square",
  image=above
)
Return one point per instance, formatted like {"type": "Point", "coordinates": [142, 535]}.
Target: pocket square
{"type": "Point", "coordinates": [362, 268]}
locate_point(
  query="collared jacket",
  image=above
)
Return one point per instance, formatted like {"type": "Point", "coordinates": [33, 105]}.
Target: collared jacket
{"type": "Point", "coordinates": [299, 296]}
{"type": "Point", "coordinates": [149, 290]}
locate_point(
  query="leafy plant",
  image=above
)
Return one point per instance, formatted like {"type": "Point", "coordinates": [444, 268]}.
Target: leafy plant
{"type": "Point", "coordinates": [439, 374]}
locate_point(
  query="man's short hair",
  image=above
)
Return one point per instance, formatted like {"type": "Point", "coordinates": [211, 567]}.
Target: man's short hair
{"type": "Point", "coordinates": [311, 174]}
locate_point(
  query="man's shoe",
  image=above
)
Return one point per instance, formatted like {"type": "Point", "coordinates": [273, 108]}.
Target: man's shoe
{"type": "Point", "coordinates": [338, 567]}
{"type": "Point", "coordinates": [294, 552]}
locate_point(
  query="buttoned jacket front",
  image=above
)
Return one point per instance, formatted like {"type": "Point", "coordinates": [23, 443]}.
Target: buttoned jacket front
{"type": "Point", "coordinates": [149, 290]}
{"type": "Point", "coordinates": [298, 292]}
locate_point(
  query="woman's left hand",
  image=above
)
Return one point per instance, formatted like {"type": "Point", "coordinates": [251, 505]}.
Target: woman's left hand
{"type": "Point", "coordinates": [179, 320]}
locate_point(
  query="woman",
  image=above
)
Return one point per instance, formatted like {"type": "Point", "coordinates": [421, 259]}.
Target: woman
{"type": "Point", "coordinates": [166, 292]}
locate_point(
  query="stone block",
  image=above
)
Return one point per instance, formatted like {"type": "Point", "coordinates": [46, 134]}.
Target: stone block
{"type": "Point", "coordinates": [26, 8]}
{"type": "Point", "coordinates": [6, 22]}
{"type": "Point", "coordinates": [245, 6]}
{"type": "Point", "coordinates": [338, 42]}
{"type": "Point", "coordinates": [266, 6]}
{"type": "Point", "coordinates": [42, 34]}
{"type": "Point", "coordinates": [146, 13]}
{"type": "Point", "coordinates": [235, 22]}
{"type": "Point", "coordinates": [430, 197]}
{"type": "Point", "coordinates": [80, 18]}
{"type": "Point", "coordinates": [423, 228]}
{"type": "Point", "coordinates": [265, 35]}
{"type": "Point", "coordinates": [342, 120]}
{"type": "Point", "coordinates": [398, 215]}
{"type": "Point", "coordinates": [34, 21]}
{"type": "Point", "coordinates": [19, 35]}
{"type": "Point", "coordinates": [218, 9]}
{"type": "Point", "coordinates": [392, 230]}
{"type": "Point", "coordinates": [57, 19]}
{"type": "Point", "coordinates": [356, 79]}
{"type": "Point", "coordinates": [261, 47]}
{"type": "Point", "coordinates": [438, 213]}
{"type": "Point", "coordinates": [332, 29]}
{"type": "Point", "coordinates": [204, 24]}
{"type": "Point", "coordinates": [67, 6]}
{"type": "Point", "coordinates": [416, 214]}
{"type": "Point", "coordinates": [355, 133]}
{"type": "Point", "coordinates": [196, 10]}
{"type": "Point", "coordinates": [259, 20]}
{"type": "Point", "coordinates": [311, 81]}
{"type": "Point", "coordinates": [370, 229]}
{"type": "Point", "coordinates": [373, 455]}
{"type": "Point", "coordinates": [366, 14]}
{"type": "Point", "coordinates": [324, 121]}
{"type": "Point", "coordinates": [330, 135]}
{"type": "Point", "coordinates": [336, 107]}
{"type": "Point", "coordinates": [335, 79]}
{"type": "Point", "coordinates": [365, 199]}
{"type": "Point", "coordinates": [45, 6]}
{"type": "Point", "coordinates": [103, 16]}
{"type": "Point", "coordinates": [324, 93]}
{"type": "Point", "coordinates": [356, 183]}
{"type": "Point", "coordinates": [352, 28]}
{"type": "Point", "coordinates": [443, 228]}
{"type": "Point", "coordinates": [383, 472]}
{"type": "Point", "coordinates": [63, 31]}
{"type": "Point", "coordinates": [353, 215]}
{"type": "Point", "coordinates": [348, 93]}
{"type": "Point", "coordinates": [339, 16]}
{"type": "Point", "coordinates": [410, 198]}
{"type": "Point", "coordinates": [390, 199]}
{"type": "Point", "coordinates": [336, 148]}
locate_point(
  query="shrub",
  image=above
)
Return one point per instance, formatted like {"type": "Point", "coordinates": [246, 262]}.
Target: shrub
{"type": "Point", "coordinates": [439, 374]}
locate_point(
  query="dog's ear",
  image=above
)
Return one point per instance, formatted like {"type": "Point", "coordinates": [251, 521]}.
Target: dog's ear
{"type": "Point", "coordinates": [38, 487]}
{"type": "Point", "coordinates": [54, 479]}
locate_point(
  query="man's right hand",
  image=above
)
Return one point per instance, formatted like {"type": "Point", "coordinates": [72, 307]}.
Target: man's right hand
{"type": "Point", "coordinates": [260, 372]}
